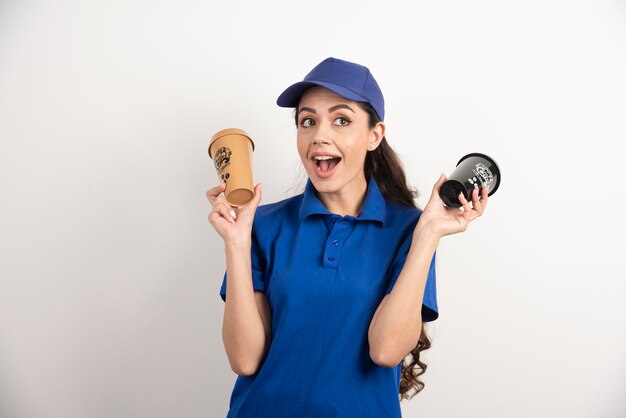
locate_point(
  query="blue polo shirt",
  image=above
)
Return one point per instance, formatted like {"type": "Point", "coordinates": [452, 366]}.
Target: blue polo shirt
{"type": "Point", "coordinates": [324, 276]}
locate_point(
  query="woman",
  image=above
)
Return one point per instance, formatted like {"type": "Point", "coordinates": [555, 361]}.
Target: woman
{"type": "Point", "coordinates": [329, 290]}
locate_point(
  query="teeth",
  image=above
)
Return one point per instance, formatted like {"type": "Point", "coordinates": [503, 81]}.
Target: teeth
{"type": "Point", "coordinates": [323, 157]}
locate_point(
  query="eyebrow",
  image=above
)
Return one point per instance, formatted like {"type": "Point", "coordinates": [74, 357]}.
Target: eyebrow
{"type": "Point", "coordinates": [330, 110]}
{"type": "Point", "coordinates": [341, 106]}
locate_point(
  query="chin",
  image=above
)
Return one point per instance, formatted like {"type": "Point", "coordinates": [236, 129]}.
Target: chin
{"type": "Point", "coordinates": [324, 185]}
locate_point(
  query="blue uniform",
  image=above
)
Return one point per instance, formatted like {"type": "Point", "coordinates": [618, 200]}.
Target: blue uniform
{"type": "Point", "coordinates": [324, 276]}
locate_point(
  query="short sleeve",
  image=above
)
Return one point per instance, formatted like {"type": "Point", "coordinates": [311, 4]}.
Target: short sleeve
{"type": "Point", "coordinates": [258, 268]}
{"type": "Point", "coordinates": [430, 311]}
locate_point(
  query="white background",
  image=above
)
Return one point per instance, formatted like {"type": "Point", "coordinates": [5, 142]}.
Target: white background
{"type": "Point", "coordinates": [110, 270]}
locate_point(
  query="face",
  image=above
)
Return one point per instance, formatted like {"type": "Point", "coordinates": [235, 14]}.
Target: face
{"type": "Point", "coordinates": [332, 126]}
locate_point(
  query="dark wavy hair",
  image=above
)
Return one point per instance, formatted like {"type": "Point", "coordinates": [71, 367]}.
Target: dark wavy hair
{"type": "Point", "coordinates": [384, 164]}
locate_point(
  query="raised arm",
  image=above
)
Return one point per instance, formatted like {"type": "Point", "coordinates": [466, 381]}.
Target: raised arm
{"type": "Point", "coordinates": [396, 325]}
{"type": "Point", "coordinates": [246, 328]}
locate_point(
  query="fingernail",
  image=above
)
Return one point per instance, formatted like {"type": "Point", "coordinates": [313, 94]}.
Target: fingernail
{"type": "Point", "coordinates": [233, 214]}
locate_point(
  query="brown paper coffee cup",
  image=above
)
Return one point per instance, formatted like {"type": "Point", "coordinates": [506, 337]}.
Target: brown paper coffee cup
{"type": "Point", "coordinates": [231, 151]}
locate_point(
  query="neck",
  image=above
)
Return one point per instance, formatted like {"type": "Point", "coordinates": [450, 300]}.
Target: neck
{"type": "Point", "coordinates": [347, 201]}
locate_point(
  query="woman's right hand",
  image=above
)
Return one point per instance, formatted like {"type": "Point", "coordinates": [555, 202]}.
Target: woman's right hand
{"type": "Point", "coordinates": [232, 228]}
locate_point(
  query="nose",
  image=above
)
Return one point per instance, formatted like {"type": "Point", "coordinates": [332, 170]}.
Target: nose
{"type": "Point", "coordinates": [323, 134]}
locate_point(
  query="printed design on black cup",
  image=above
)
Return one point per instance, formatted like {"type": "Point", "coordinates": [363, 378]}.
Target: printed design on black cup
{"type": "Point", "coordinates": [482, 174]}
{"type": "Point", "coordinates": [222, 158]}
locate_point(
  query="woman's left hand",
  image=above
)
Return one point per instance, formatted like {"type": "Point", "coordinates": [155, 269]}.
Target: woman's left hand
{"type": "Point", "coordinates": [441, 220]}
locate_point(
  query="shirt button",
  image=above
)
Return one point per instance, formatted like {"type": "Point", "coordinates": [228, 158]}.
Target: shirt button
{"type": "Point", "coordinates": [331, 258]}
{"type": "Point", "coordinates": [335, 242]}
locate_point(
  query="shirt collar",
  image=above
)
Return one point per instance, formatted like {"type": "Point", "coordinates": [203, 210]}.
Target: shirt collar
{"type": "Point", "coordinates": [374, 207]}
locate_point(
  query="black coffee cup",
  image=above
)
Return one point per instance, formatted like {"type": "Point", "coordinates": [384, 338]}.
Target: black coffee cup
{"type": "Point", "coordinates": [473, 171]}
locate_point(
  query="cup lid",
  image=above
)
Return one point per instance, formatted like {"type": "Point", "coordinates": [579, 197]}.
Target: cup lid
{"type": "Point", "coordinates": [229, 131]}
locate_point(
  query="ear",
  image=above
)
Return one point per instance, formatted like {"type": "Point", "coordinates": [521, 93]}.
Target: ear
{"type": "Point", "coordinates": [377, 133]}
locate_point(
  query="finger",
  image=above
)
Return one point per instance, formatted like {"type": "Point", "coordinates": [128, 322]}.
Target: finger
{"type": "Point", "coordinates": [434, 196]}
{"type": "Point", "coordinates": [216, 216]}
{"type": "Point", "coordinates": [466, 207]}
{"type": "Point", "coordinates": [475, 202]}
{"type": "Point", "coordinates": [220, 199]}
{"type": "Point", "coordinates": [213, 192]}
{"type": "Point", "coordinates": [438, 183]}
{"type": "Point", "coordinates": [224, 210]}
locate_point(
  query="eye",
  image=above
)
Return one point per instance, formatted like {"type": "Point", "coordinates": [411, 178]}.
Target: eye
{"type": "Point", "coordinates": [342, 121]}
{"type": "Point", "coordinates": [306, 122]}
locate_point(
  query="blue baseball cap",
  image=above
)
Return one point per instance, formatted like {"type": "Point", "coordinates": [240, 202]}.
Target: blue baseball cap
{"type": "Point", "coordinates": [352, 81]}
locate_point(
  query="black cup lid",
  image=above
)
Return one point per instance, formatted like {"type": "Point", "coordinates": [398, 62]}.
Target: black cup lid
{"type": "Point", "coordinates": [492, 161]}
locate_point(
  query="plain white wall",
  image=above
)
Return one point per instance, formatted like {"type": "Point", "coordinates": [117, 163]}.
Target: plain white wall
{"type": "Point", "coordinates": [110, 271]}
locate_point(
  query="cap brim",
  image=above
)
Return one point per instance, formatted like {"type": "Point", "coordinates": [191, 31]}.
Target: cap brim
{"type": "Point", "coordinates": [291, 96]}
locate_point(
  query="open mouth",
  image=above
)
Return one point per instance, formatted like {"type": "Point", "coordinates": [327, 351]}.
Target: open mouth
{"type": "Point", "coordinates": [326, 164]}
